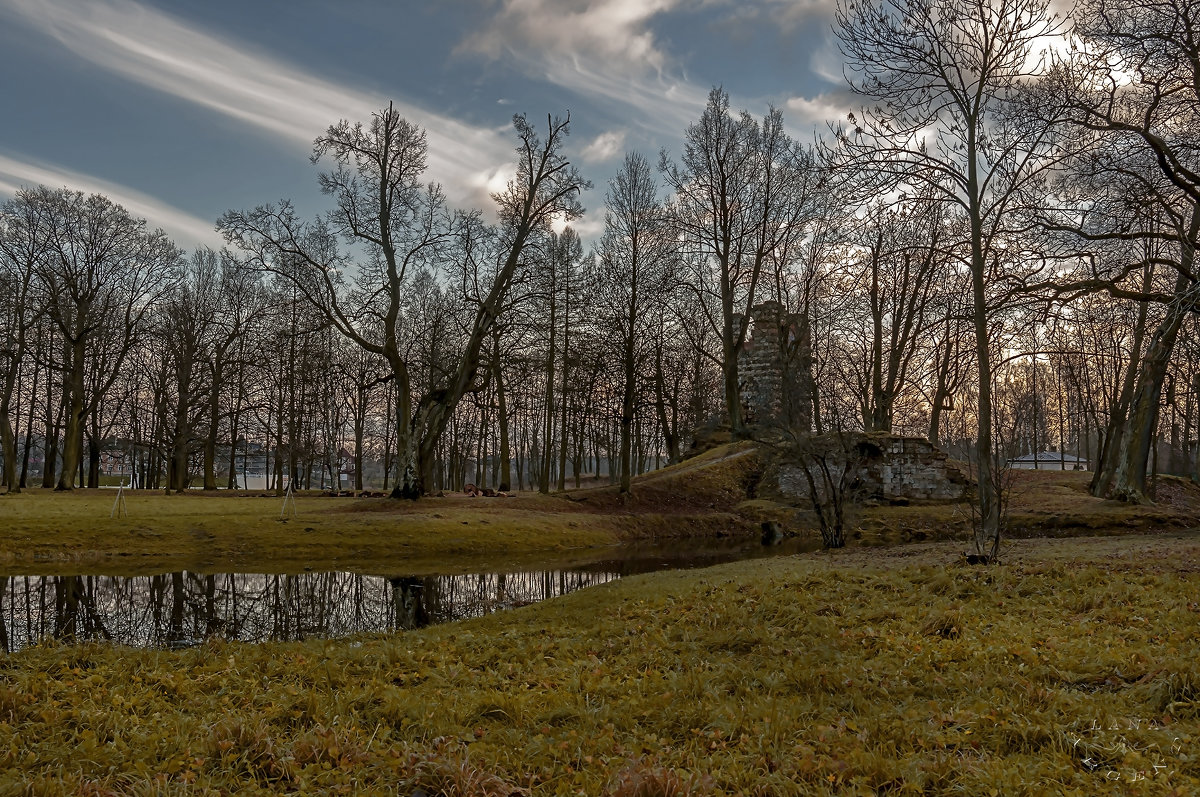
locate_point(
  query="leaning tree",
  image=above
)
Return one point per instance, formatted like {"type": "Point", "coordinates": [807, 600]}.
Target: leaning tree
{"type": "Point", "coordinates": [943, 78]}
{"type": "Point", "coordinates": [357, 264]}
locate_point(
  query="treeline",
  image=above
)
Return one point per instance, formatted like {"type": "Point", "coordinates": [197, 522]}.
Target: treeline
{"type": "Point", "coordinates": [996, 252]}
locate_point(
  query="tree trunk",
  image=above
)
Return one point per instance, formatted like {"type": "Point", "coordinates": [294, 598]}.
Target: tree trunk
{"type": "Point", "coordinates": [1129, 476]}
{"type": "Point", "coordinates": [8, 450]}
{"type": "Point", "coordinates": [1194, 451]}
{"type": "Point", "coordinates": [411, 468]}
{"type": "Point", "coordinates": [505, 480]}
{"type": "Point", "coordinates": [73, 437]}
{"type": "Point", "coordinates": [548, 429]}
{"type": "Point", "coordinates": [360, 430]}
{"type": "Point", "coordinates": [28, 443]}
{"type": "Point", "coordinates": [987, 533]}
{"type": "Point", "coordinates": [562, 433]}
{"type": "Point", "coordinates": [942, 392]}
{"type": "Point", "coordinates": [95, 446]}
{"type": "Point", "coordinates": [730, 334]}
{"type": "Point", "coordinates": [8, 441]}
{"type": "Point", "coordinates": [214, 421]}
{"type": "Point", "coordinates": [179, 450]}
{"type": "Point", "coordinates": [1107, 459]}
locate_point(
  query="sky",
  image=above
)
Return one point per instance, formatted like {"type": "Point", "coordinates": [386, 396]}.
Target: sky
{"type": "Point", "coordinates": [182, 110]}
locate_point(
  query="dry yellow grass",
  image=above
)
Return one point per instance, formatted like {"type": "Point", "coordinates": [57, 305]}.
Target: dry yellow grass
{"type": "Point", "coordinates": [47, 532]}
{"type": "Point", "coordinates": [1071, 668]}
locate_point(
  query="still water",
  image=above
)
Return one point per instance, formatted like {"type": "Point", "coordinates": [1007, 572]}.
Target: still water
{"type": "Point", "coordinates": [185, 608]}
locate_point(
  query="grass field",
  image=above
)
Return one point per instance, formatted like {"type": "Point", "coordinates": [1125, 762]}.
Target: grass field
{"type": "Point", "coordinates": [44, 532]}
{"type": "Point", "coordinates": [710, 495]}
{"type": "Point", "coordinates": [1071, 668]}
{"type": "Point", "coordinates": [47, 532]}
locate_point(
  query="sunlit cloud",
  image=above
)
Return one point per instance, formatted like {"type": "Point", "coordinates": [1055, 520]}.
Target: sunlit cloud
{"type": "Point", "coordinates": [604, 147]}
{"type": "Point", "coordinates": [602, 50]}
{"type": "Point", "coordinates": [184, 228]}
{"type": "Point", "coordinates": [232, 78]}
{"type": "Point", "coordinates": [614, 30]}
{"type": "Point", "coordinates": [829, 106]}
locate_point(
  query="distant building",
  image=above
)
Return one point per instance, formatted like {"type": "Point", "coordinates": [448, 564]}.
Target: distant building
{"type": "Point", "coordinates": [1049, 460]}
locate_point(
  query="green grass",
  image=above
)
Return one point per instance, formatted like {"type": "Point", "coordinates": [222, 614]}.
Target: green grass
{"type": "Point", "coordinates": [47, 532]}
{"type": "Point", "coordinates": [1071, 668]}
{"type": "Point", "coordinates": [712, 494]}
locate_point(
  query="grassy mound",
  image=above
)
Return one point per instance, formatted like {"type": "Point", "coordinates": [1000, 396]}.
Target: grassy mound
{"type": "Point", "coordinates": [73, 532]}
{"type": "Point", "coordinates": [712, 494]}
{"type": "Point", "coordinates": [1070, 669]}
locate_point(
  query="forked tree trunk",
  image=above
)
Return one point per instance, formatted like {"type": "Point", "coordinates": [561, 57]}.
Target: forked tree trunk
{"type": "Point", "coordinates": [505, 480]}
{"type": "Point", "coordinates": [1117, 428]}
{"type": "Point", "coordinates": [73, 437]}
{"type": "Point", "coordinates": [1129, 474]}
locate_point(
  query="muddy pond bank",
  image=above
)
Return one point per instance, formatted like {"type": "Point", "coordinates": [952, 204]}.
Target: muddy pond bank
{"type": "Point", "coordinates": [183, 608]}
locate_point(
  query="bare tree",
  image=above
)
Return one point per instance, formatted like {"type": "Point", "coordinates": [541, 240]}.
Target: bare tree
{"type": "Point", "coordinates": [22, 246]}
{"type": "Point", "coordinates": [944, 74]}
{"type": "Point", "coordinates": [631, 271]}
{"type": "Point", "coordinates": [101, 274]}
{"type": "Point", "coordinates": [715, 188]}
{"type": "Point", "coordinates": [902, 259]}
{"type": "Point", "coordinates": [401, 228]}
{"type": "Point", "coordinates": [1132, 89]}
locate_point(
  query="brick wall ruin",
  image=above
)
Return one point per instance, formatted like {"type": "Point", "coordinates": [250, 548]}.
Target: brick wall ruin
{"type": "Point", "coordinates": [886, 467]}
{"type": "Point", "coordinates": [775, 370]}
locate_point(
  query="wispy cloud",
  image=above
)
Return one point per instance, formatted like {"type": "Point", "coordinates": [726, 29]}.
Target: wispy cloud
{"type": "Point", "coordinates": [186, 229]}
{"type": "Point", "coordinates": [232, 78]}
{"type": "Point", "coordinates": [829, 106]}
{"type": "Point", "coordinates": [603, 50]}
{"type": "Point", "coordinates": [611, 29]}
{"type": "Point", "coordinates": [787, 15]}
{"type": "Point", "coordinates": [604, 147]}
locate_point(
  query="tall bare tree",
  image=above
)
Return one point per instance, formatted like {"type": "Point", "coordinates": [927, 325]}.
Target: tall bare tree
{"type": "Point", "coordinates": [631, 273]}
{"type": "Point", "coordinates": [394, 228]}
{"type": "Point", "coordinates": [101, 274]}
{"type": "Point", "coordinates": [944, 74]}
{"type": "Point", "coordinates": [1133, 88]}
{"type": "Point", "coordinates": [22, 246]}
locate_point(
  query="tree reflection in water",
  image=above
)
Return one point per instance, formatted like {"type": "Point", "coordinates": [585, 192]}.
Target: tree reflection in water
{"type": "Point", "coordinates": [180, 609]}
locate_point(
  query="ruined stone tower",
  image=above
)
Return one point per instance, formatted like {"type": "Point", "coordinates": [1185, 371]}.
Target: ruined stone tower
{"type": "Point", "coordinates": [761, 367]}
{"type": "Point", "coordinates": [775, 370]}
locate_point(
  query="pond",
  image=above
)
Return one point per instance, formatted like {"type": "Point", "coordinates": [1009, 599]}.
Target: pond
{"type": "Point", "coordinates": [185, 608]}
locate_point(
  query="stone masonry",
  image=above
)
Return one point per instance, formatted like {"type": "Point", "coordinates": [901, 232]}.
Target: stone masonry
{"type": "Point", "coordinates": [777, 397]}
{"type": "Point", "coordinates": [760, 367]}
{"type": "Point", "coordinates": [775, 370]}
{"type": "Point", "coordinates": [888, 467]}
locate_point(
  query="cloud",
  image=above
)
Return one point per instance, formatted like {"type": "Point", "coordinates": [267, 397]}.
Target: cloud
{"type": "Point", "coordinates": [829, 106]}
{"type": "Point", "coordinates": [603, 50]}
{"type": "Point", "coordinates": [605, 146]}
{"type": "Point", "coordinates": [782, 16]}
{"type": "Point", "coordinates": [184, 228]}
{"type": "Point", "coordinates": [237, 80]}
{"type": "Point", "coordinates": [614, 30]}
{"type": "Point", "coordinates": [826, 61]}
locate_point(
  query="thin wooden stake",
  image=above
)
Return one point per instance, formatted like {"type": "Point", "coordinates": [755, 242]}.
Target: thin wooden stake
{"type": "Point", "coordinates": [289, 503]}
{"type": "Point", "coordinates": [119, 508]}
